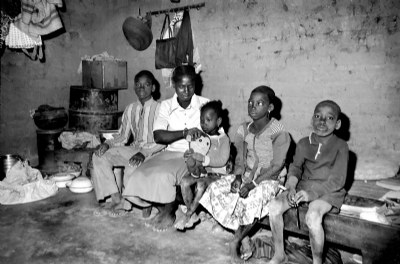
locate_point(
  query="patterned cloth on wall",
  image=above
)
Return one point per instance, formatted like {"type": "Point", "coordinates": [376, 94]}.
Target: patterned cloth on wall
{"type": "Point", "coordinates": [37, 18]}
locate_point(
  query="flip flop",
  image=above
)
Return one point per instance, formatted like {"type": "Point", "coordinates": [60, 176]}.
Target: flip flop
{"type": "Point", "coordinates": [117, 213]}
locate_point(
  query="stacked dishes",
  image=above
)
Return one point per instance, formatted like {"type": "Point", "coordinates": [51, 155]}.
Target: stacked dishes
{"type": "Point", "coordinates": [63, 178]}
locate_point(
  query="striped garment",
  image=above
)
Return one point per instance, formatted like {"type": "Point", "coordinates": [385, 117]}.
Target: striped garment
{"type": "Point", "coordinates": [39, 17]}
{"type": "Point", "coordinates": [138, 121]}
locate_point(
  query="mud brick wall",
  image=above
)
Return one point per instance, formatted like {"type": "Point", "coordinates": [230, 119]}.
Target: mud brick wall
{"type": "Point", "coordinates": [307, 51]}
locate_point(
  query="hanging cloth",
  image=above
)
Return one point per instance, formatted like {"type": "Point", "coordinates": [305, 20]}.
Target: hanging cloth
{"type": "Point", "coordinates": [39, 17]}
{"type": "Point", "coordinates": [184, 47]}
{"type": "Point", "coordinates": [17, 39]}
{"type": "Point", "coordinates": [5, 27]}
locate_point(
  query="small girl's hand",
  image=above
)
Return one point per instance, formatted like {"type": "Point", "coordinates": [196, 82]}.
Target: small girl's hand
{"type": "Point", "coordinates": [194, 133]}
{"type": "Point", "coordinates": [235, 185]}
{"type": "Point", "coordinates": [245, 190]}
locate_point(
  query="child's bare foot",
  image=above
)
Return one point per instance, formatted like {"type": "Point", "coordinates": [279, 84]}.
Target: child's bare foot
{"type": "Point", "coordinates": [194, 219]}
{"type": "Point", "coordinates": [181, 223]}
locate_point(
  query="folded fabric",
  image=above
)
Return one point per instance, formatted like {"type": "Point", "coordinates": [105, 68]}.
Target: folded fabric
{"type": "Point", "coordinates": [70, 140]}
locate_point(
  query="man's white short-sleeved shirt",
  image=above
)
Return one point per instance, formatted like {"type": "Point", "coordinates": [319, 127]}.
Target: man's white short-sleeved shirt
{"type": "Point", "coordinates": [173, 117]}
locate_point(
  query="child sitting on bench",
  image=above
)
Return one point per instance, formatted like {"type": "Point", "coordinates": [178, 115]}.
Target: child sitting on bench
{"type": "Point", "coordinates": [317, 176]}
{"type": "Point", "coordinates": [204, 169]}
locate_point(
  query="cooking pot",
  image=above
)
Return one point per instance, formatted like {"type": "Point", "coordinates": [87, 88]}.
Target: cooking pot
{"type": "Point", "coordinates": [50, 118]}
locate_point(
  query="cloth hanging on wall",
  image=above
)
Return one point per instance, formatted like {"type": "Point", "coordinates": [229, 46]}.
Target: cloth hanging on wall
{"type": "Point", "coordinates": [39, 17]}
{"type": "Point", "coordinates": [5, 27]}
{"type": "Point", "coordinates": [17, 39]}
{"type": "Point", "coordinates": [174, 51]}
{"type": "Point", "coordinates": [184, 47]}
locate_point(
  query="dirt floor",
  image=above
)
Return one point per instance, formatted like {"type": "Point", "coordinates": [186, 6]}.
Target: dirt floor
{"type": "Point", "coordinates": [64, 229]}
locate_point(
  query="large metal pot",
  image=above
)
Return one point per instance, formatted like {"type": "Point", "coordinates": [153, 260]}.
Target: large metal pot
{"type": "Point", "coordinates": [6, 162]}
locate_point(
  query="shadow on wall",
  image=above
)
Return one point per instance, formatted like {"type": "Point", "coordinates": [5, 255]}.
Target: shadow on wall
{"type": "Point", "coordinates": [156, 94]}
{"type": "Point", "coordinates": [199, 84]}
{"type": "Point", "coordinates": [277, 108]}
{"type": "Point", "coordinates": [344, 133]}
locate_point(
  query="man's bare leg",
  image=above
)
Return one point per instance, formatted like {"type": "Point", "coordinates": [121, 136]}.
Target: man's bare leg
{"type": "Point", "coordinates": [317, 209]}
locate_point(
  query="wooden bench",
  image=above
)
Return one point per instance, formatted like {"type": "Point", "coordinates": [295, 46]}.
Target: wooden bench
{"type": "Point", "coordinates": [378, 243]}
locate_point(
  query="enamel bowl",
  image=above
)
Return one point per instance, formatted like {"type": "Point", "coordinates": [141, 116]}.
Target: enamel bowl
{"type": "Point", "coordinates": [62, 178]}
{"type": "Point", "coordinates": [80, 185]}
{"type": "Point", "coordinates": [62, 184]}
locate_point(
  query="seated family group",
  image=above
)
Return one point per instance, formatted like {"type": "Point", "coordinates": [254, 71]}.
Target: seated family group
{"type": "Point", "coordinates": [181, 142]}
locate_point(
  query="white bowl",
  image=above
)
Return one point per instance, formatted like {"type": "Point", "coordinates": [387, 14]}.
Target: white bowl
{"type": "Point", "coordinates": [108, 134]}
{"type": "Point", "coordinates": [80, 182]}
{"type": "Point", "coordinates": [62, 177]}
{"type": "Point", "coordinates": [81, 190]}
{"type": "Point", "coordinates": [62, 184]}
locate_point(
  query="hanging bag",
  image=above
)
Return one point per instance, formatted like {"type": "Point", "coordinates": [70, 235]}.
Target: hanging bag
{"type": "Point", "coordinates": [184, 42]}
{"type": "Point", "coordinates": [165, 47]}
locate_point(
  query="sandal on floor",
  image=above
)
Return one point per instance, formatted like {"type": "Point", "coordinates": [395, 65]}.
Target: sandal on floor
{"type": "Point", "coordinates": [117, 213]}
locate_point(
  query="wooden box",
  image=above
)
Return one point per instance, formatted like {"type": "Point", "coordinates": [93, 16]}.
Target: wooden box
{"type": "Point", "coordinates": [104, 74]}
